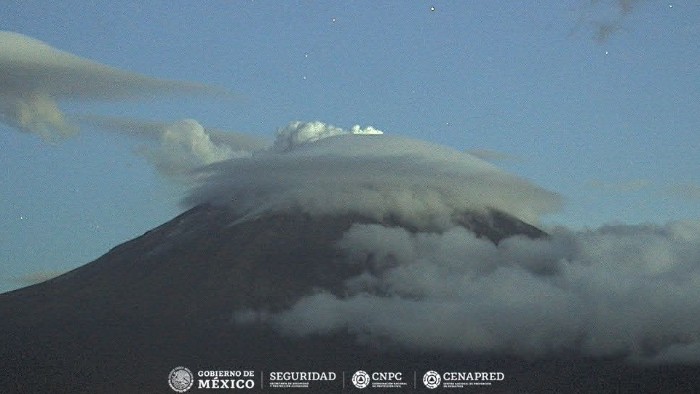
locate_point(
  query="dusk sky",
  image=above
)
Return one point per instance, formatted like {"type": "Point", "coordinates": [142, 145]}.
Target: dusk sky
{"type": "Point", "coordinates": [594, 101]}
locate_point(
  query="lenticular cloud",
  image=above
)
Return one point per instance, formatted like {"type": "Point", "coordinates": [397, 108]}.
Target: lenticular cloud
{"type": "Point", "coordinates": [321, 169]}
{"type": "Point", "coordinates": [35, 76]}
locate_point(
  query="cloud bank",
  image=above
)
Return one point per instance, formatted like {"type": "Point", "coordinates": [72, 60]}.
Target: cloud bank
{"type": "Point", "coordinates": [619, 291]}
{"type": "Point", "coordinates": [35, 76]}
{"type": "Point", "coordinates": [322, 169]}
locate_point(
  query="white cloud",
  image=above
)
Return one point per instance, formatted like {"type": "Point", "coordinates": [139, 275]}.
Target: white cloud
{"type": "Point", "coordinates": [185, 146]}
{"type": "Point", "coordinates": [299, 133]}
{"type": "Point", "coordinates": [35, 113]}
{"type": "Point", "coordinates": [36, 76]}
{"type": "Point", "coordinates": [177, 149]}
{"type": "Point", "coordinates": [619, 291]}
{"type": "Point", "coordinates": [153, 130]}
{"type": "Point", "coordinates": [322, 169]}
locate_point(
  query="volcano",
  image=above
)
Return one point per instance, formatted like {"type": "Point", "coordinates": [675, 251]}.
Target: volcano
{"type": "Point", "coordinates": [167, 298]}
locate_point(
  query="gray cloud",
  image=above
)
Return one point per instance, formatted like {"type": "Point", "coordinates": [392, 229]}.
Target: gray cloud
{"type": "Point", "coordinates": [494, 156]}
{"type": "Point", "coordinates": [686, 191]}
{"type": "Point", "coordinates": [619, 291]}
{"type": "Point", "coordinates": [326, 169]}
{"type": "Point", "coordinates": [36, 76]}
{"type": "Point", "coordinates": [605, 17]}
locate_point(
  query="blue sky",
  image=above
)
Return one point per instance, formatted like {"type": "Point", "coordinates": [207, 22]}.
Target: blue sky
{"type": "Point", "coordinates": [611, 123]}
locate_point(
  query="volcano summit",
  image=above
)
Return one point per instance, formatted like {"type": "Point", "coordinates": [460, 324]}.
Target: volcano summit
{"type": "Point", "coordinates": [338, 250]}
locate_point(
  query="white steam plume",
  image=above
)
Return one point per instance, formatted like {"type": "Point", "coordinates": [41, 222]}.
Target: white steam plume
{"type": "Point", "coordinates": [153, 130]}
{"type": "Point", "coordinates": [299, 133]}
{"type": "Point", "coordinates": [619, 291]}
{"type": "Point", "coordinates": [36, 76]}
{"type": "Point", "coordinates": [322, 169]}
{"type": "Point", "coordinates": [185, 146]}
{"type": "Point", "coordinates": [177, 149]}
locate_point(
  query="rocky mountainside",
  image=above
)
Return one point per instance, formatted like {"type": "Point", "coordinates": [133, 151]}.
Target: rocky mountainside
{"type": "Point", "coordinates": [167, 298]}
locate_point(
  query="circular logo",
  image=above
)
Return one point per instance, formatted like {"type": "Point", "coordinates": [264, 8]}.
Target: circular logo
{"type": "Point", "coordinates": [180, 379]}
{"type": "Point", "coordinates": [360, 379]}
{"type": "Point", "coordinates": [431, 379]}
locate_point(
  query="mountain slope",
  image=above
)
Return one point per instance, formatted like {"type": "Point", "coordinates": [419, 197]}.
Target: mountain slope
{"type": "Point", "coordinates": [167, 298]}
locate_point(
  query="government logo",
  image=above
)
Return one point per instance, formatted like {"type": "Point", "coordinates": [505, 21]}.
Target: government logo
{"type": "Point", "coordinates": [180, 379]}
{"type": "Point", "coordinates": [360, 379]}
{"type": "Point", "coordinates": [431, 379]}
